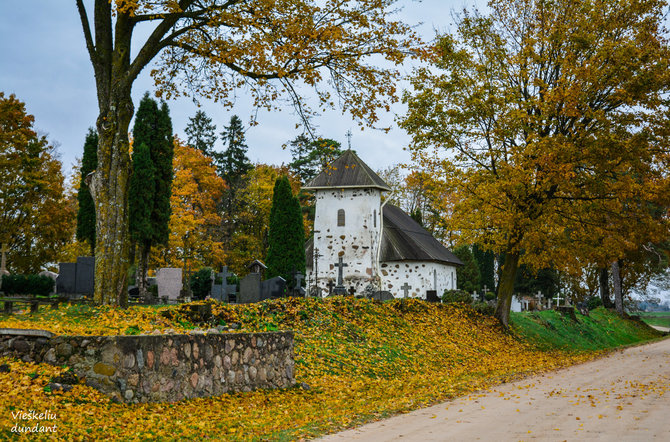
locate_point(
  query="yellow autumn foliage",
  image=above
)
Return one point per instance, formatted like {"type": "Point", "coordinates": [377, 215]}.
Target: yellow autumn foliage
{"type": "Point", "coordinates": [362, 360]}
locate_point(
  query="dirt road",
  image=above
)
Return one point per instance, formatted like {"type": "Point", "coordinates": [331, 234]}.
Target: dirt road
{"type": "Point", "coordinates": [623, 397]}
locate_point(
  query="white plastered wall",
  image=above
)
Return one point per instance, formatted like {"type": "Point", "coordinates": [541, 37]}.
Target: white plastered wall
{"type": "Point", "coordinates": [419, 275]}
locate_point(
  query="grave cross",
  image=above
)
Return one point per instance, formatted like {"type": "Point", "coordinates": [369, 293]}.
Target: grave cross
{"type": "Point", "coordinates": [352, 291]}
{"type": "Point", "coordinates": [558, 300]}
{"type": "Point", "coordinates": [340, 267]}
{"type": "Point", "coordinates": [3, 260]}
{"type": "Point", "coordinates": [330, 286]}
{"type": "Point", "coordinates": [405, 288]}
{"type": "Point", "coordinates": [298, 279]}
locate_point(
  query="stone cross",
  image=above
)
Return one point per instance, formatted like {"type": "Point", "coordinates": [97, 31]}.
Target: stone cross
{"type": "Point", "coordinates": [558, 299]}
{"type": "Point", "coordinates": [298, 279]}
{"type": "Point", "coordinates": [330, 286]}
{"type": "Point", "coordinates": [340, 267]}
{"type": "Point", "coordinates": [474, 295]}
{"type": "Point", "coordinates": [405, 288]}
{"type": "Point", "coordinates": [3, 260]}
{"type": "Point", "coordinates": [352, 290]}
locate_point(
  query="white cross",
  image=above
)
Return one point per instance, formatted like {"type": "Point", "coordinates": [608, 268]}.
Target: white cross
{"type": "Point", "coordinates": [558, 299]}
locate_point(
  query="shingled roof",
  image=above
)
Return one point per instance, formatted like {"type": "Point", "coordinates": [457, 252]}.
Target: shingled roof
{"type": "Point", "coordinates": [347, 171]}
{"type": "Point", "coordinates": [403, 240]}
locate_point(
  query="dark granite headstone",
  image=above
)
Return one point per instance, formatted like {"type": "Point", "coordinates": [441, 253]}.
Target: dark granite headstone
{"type": "Point", "coordinates": [431, 296]}
{"type": "Point", "coordinates": [85, 281]}
{"type": "Point", "coordinates": [67, 277]}
{"type": "Point", "coordinates": [273, 288]}
{"type": "Point", "coordinates": [217, 292]}
{"type": "Point", "coordinates": [250, 289]}
{"type": "Point", "coordinates": [382, 296]}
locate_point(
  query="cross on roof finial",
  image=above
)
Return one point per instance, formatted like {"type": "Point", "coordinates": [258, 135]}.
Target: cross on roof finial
{"type": "Point", "coordinates": [349, 135]}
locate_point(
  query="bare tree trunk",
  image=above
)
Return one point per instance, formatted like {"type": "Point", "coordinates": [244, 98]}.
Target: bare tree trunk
{"type": "Point", "coordinates": [109, 187]}
{"type": "Point", "coordinates": [506, 287]}
{"type": "Point", "coordinates": [603, 280]}
{"type": "Point", "coordinates": [618, 296]}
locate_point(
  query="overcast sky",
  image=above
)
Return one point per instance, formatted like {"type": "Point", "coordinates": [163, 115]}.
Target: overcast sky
{"type": "Point", "coordinates": [44, 62]}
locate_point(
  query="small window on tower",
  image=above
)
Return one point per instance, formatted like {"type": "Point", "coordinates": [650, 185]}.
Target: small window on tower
{"type": "Point", "coordinates": [340, 217]}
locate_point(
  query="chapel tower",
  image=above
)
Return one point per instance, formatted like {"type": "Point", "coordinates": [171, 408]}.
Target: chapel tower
{"type": "Point", "coordinates": [347, 226]}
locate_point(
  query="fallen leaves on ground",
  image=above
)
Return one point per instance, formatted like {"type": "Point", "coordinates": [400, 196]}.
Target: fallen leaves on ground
{"type": "Point", "coordinates": [362, 360]}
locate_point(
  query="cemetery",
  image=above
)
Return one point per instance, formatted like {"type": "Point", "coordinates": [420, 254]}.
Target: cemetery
{"type": "Point", "coordinates": [194, 245]}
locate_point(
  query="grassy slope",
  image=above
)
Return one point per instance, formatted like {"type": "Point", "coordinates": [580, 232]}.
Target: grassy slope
{"type": "Point", "coordinates": [661, 319]}
{"type": "Point", "coordinates": [602, 329]}
{"type": "Point", "coordinates": [363, 360]}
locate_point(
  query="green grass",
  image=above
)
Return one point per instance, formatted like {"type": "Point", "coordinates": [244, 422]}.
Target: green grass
{"type": "Point", "coordinates": [602, 329]}
{"type": "Point", "coordinates": [661, 319]}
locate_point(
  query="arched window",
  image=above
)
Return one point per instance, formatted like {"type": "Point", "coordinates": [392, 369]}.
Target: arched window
{"type": "Point", "coordinates": [340, 217]}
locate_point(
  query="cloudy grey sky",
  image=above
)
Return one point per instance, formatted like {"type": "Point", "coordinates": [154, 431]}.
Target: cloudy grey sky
{"type": "Point", "coordinates": [44, 62]}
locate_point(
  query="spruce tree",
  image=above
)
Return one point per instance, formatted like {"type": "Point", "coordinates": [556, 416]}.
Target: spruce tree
{"type": "Point", "coordinates": [468, 274]}
{"type": "Point", "coordinates": [485, 259]}
{"type": "Point", "coordinates": [286, 241]}
{"type": "Point", "coordinates": [233, 162]}
{"type": "Point", "coordinates": [86, 213]}
{"type": "Point", "coordinates": [150, 190]}
{"type": "Point", "coordinates": [310, 157]}
{"type": "Point", "coordinates": [201, 133]}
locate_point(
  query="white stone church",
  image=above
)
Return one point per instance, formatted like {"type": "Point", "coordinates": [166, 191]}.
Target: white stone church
{"type": "Point", "coordinates": [364, 245]}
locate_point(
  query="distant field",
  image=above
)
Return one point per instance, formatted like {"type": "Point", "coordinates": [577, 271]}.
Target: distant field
{"type": "Point", "coordinates": [661, 319]}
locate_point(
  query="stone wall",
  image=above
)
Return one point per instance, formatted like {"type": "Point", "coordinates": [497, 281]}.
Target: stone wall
{"type": "Point", "coordinates": [157, 368]}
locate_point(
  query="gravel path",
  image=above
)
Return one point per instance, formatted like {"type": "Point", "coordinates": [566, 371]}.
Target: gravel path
{"type": "Point", "coordinates": [622, 397]}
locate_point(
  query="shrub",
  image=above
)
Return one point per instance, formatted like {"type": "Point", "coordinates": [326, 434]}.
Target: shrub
{"type": "Point", "coordinates": [201, 283]}
{"type": "Point", "coordinates": [594, 302]}
{"type": "Point", "coordinates": [490, 296]}
{"type": "Point", "coordinates": [27, 285]}
{"type": "Point", "coordinates": [484, 308]}
{"type": "Point", "coordinates": [450, 296]}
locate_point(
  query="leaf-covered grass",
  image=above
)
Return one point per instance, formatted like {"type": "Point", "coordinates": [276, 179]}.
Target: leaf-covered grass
{"type": "Point", "coordinates": [362, 360]}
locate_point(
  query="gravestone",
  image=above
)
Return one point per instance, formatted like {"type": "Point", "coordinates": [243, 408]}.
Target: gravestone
{"type": "Point", "coordinates": [169, 282]}
{"type": "Point", "coordinates": [250, 289]}
{"type": "Point", "coordinates": [405, 288]}
{"type": "Point", "coordinates": [381, 296]}
{"type": "Point", "coordinates": [431, 296]}
{"type": "Point", "coordinates": [340, 289]}
{"type": "Point", "coordinates": [273, 288]}
{"type": "Point", "coordinates": [85, 279]}
{"type": "Point", "coordinates": [67, 277]}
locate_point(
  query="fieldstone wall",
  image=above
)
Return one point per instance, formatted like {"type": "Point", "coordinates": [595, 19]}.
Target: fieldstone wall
{"type": "Point", "coordinates": [158, 368]}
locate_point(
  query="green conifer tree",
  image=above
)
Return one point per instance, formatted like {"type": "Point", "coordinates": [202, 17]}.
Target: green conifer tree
{"type": "Point", "coordinates": [86, 212]}
{"type": "Point", "coordinates": [286, 241]}
{"type": "Point", "coordinates": [485, 259]}
{"type": "Point", "coordinates": [201, 133]}
{"type": "Point", "coordinates": [468, 274]}
{"type": "Point", "coordinates": [150, 190]}
{"type": "Point", "coordinates": [233, 163]}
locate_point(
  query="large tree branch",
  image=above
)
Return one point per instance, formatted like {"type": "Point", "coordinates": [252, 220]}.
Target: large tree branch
{"type": "Point", "coordinates": [87, 32]}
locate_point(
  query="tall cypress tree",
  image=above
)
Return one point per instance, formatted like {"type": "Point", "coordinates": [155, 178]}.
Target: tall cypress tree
{"type": "Point", "coordinates": [485, 259]}
{"type": "Point", "coordinates": [86, 213]}
{"type": "Point", "coordinates": [467, 275]}
{"type": "Point", "coordinates": [201, 133]}
{"type": "Point", "coordinates": [286, 241]}
{"type": "Point", "coordinates": [150, 189]}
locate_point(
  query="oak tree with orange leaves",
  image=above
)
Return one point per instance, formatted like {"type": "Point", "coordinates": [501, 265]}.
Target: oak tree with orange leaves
{"type": "Point", "coordinates": [215, 47]}
{"type": "Point", "coordinates": [548, 121]}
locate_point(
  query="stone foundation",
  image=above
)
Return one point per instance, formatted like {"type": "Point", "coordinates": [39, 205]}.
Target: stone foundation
{"type": "Point", "coordinates": [158, 368]}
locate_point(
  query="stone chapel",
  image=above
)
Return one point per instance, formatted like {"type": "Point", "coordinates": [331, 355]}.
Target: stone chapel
{"type": "Point", "coordinates": [363, 245]}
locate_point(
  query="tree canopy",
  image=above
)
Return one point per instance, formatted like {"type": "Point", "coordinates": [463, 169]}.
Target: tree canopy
{"type": "Point", "coordinates": [213, 48]}
{"type": "Point", "coordinates": [201, 133]}
{"type": "Point", "coordinates": [554, 115]}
